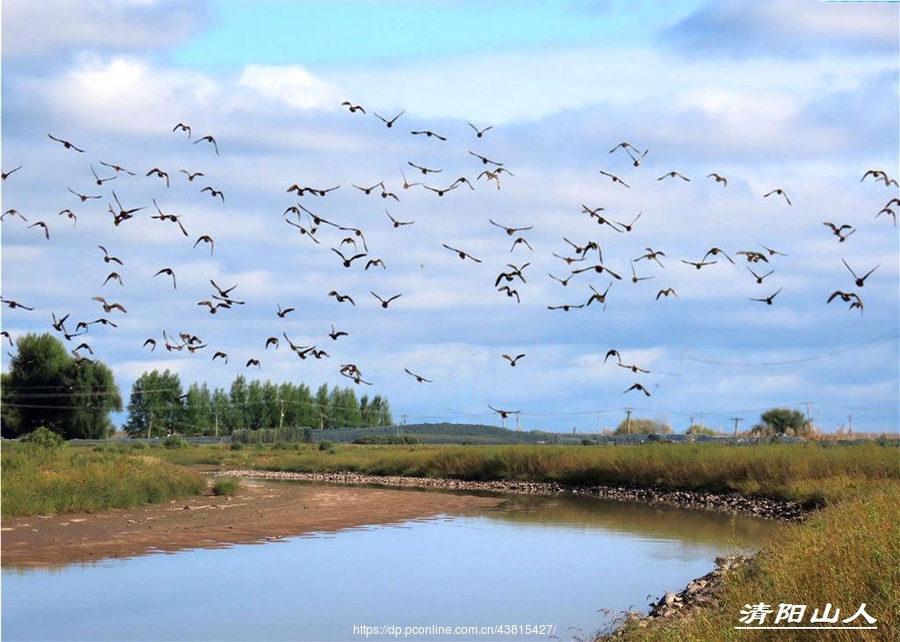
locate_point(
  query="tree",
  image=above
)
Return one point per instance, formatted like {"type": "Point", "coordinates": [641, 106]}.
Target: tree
{"type": "Point", "coordinates": [155, 406]}
{"type": "Point", "coordinates": [641, 427]}
{"type": "Point", "coordinates": [46, 386]}
{"type": "Point", "coordinates": [782, 421]}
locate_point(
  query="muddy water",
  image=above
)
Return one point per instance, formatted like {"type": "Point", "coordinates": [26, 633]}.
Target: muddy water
{"type": "Point", "coordinates": [531, 568]}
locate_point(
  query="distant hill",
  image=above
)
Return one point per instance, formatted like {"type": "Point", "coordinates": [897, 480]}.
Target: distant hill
{"type": "Point", "coordinates": [445, 433]}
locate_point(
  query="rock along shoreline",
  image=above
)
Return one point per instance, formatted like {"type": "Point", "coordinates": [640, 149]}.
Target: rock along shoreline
{"type": "Point", "coordinates": [699, 593]}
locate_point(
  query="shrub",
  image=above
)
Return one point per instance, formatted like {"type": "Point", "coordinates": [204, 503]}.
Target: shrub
{"type": "Point", "coordinates": [175, 441]}
{"type": "Point", "coordinates": [44, 437]}
{"type": "Point", "coordinates": [226, 486]}
{"type": "Point", "coordinates": [237, 445]}
{"type": "Point", "coordinates": [325, 445]}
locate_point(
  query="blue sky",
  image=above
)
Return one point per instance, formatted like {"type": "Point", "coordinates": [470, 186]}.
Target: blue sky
{"type": "Point", "coordinates": [799, 95]}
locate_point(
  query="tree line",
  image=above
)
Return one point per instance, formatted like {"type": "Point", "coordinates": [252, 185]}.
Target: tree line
{"type": "Point", "coordinates": [73, 396]}
{"type": "Point", "coordinates": [158, 406]}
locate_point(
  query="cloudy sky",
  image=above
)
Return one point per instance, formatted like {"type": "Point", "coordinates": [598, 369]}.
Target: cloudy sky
{"type": "Point", "coordinates": [799, 96]}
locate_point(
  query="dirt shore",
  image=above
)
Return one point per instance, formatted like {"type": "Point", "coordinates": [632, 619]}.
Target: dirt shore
{"type": "Point", "coordinates": [261, 511]}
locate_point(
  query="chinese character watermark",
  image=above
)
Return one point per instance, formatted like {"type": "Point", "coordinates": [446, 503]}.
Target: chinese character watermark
{"type": "Point", "coordinates": [790, 616]}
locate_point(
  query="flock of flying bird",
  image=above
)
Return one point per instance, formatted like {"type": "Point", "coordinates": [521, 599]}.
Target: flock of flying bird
{"type": "Point", "coordinates": [582, 259]}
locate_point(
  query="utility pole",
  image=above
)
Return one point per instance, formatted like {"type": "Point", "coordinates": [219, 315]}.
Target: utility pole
{"type": "Point", "coordinates": [808, 416]}
{"type": "Point", "coordinates": [736, 420]}
{"type": "Point", "coordinates": [628, 412]}
{"type": "Point", "coordinates": [850, 425]}
{"type": "Point", "coordinates": [281, 417]}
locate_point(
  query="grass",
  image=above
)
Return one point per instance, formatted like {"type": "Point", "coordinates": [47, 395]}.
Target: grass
{"type": "Point", "coordinates": [809, 474]}
{"type": "Point", "coordinates": [226, 486]}
{"type": "Point", "coordinates": [846, 555]}
{"type": "Point", "coordinates": [38, 480]}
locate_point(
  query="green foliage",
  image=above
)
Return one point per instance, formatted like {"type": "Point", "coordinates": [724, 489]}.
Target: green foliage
{"type": "Point", "coordinates": [44, 481]}
{"type": "Point", "coordinates": [44, 437]}
{"type": "Point", "coordinates": [46, 386]}
{"type": "Point", "coordinates": [226, 486]}
{"type": "Point", "coordinates": [635, 426]}
{"type": "Point", "coordinates": [326, 445]}
{"type": "Point", "coordinates": [175, 441]}
{"type": "Point", "coordinates": [782, 421]}
{"type": "Point", "coordinates": [155, 406]}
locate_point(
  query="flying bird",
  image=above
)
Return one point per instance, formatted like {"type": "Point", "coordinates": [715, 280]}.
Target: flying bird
{"type": "Point", "coordinates": [666, 292]}
{"type": "Point", "coordinates": [462, 255]}
{"type": "Point", "coordinates": [638, 386]}
{"type": "Point", "coordinates": [512, 360]}
{"type": "Point", "coordinates": [389, 123]}
{"type": "Point", "coordinates": [780, 192]}
{"type": "Point", "coordinates": [5, 175]}
{"type": "Point", "coordinates": [14, 304]}
{"type": "Point", "coordinates": [510, 230]}
{"type": "Point", "coordinates": [424, 170]}
{"type": "Point", "coordinates": [385, 302]}
{"type": "Point", "coordinates": [428, 133]}
{"type": "Point", "coordinates": [205, 238]}
{"type": "Point", "coordinates": [480, 132]}
{"type": "Point", "coordinates": [65, 143]}
{"type": "Point", "coordinates": [768, 300]}
{"type": "Point", "coordinates": [191, 175]}
{"type": "Point", "coordinates": [107, 258]}
{"type": "Point", "coordinates": [417, 377]}
{"type": "Point", "coordinates": [719, 178]}
{"type": "Point", "coordinates": [99, 180]}
{"type": "Point", "coordinates": [860, 280]}
{"type": "Point", "coordinates": [182, 127]}
{"type": "Point", "coordinates": [84, 197]}
{"type": "Point", "coordinates": [210, 140]}
{"type": "Point", "coordinates": [353, 108]}
{"type": "Point", "coordinates": [170, 272]}
{"type": "Point", "coordinates": [674, 174]}
{"type": "Point", "coordinates": [341, 297]}
{"type": "Point", "coordinates": [615, 179]}
{"type": "Point", "coordinates": [397, 223]}
{"type": "Point", "coordinates": [334, 334]}
{"type": "Point", "coordinates": [283, 311]}
{"type": "Point", "coordinates": [838, 230]}
{"type": "Point", "coordinates": [118, 168]}
{"type": "Point", "coordinates": [484, 159]}
{"type": "Point", "coordinates": [43, 226]}
{"type": "Point", "coordinates": [213, 192]}
{"type": "Point", "coordinates": [158, 172]}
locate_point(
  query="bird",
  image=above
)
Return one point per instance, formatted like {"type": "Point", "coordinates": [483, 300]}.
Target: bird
{"type": "Point", "coordinates": [428, 133]}
{"type": "Point", "coordinates": [627, 227]}
{"type": "Point", "coordinates": [205, 238]}
{"type": "Point", "coordinates": [168, 217]}
{"type": "Point", "coordinates": [635, 278]}
{"type": "Point", "coordinates": [99, 180]}
{"type": "Point", "coordinates": [66, 143]}
{"type": "Point", "coordinates": [860, 280]}
{"type": "Point", "coordinates": [719, 178]}
{"type": "Point", "coordinates": [638, 386]}
{"type": "Point", "coordinates": [666, 292]}
{"type": "Point", "coordinates": [182, 127]}
{"type": "Point", "coordinates": [191, 175]}
{"type": "Point", "coordinates": [626, 146]}
{"type": "Point", "coordinates": [389, 123]}
{"type": "Point", "coordinates": [768, 300]}
{"type": "Point", "coordinates": [753, 256]}
{"type": "Point", "coordinates": [406, 183]}
{"type": "Point", "coordinates": [846, 297]}
{"type": "Point", "coordinates": [504, 414]}
{"type": "Point", "coordinates": [699, 264]}
{"type": "Point", "coordinates": [150, 342]}
{"type": "Point", "coordinates": [780, 192]}
{"type": "Point", "coordinates": [652, 255]}
{"type": "Point", "coordinates": [597, 296]}
{"type": "Point", "coordinates": [375, 262]}
{"type": "Point", "coordinates": [385, 302]}
{"type": "Point", "coordinates": [115, 276]}
{"type": "Point", "coordinates": [613, 353]}
{"type": "Point", "coordinates": [14, 304]}
{"type": "Point", "coordinates": [462, 255]}
{"type": "Point", "coordinates": [271, 341]}
{"type": "Point", "coordinates": [879, 175]}
{"type": "Point", "coordinates": [84, 197]}
{"type": "Point", "coordinates": [564, 281]}
{"type": "Point", "coordinates": [480, 132]}
{"type": "Point", "coordinates": [837, 230]}
{"type": "Point", "coordinates": [510, 230]}
{"type": "Point", "coordinates": [485, 160]}
{"type": "Point", "coordinates": [771, 251]}
{"type": "Point", "coordinates": [43, 226]}
{"type": "Point", "coordinates": [5, 175]}
{"type": "Point", "coordinates": [512, 360]}
{"type": "Point", "coordinates": [441, 191]}
{"type": "Point", "coordinates": [220, 355]}
{"type": "Point", "coordinates": [368, 190]}
{"type": "Point", "coordinates": [714, 251]}
{"type": "Point", "coordinates": [397, 223]}
{"type": "Point", "coordinates": [158, 172]}
{"type": "Point", "coordinates": [510, 292]}
{"type": "Point", "coordinates": [107, 258]}
{"type": "Point", "coordinates": [424, 170]}
{"type": "Point", "coordinates": [117, 168]}
{"type": "Point", "coordinates": [283, 311]}
{"type": "Point", "coordinates": [566, 306]}
{"type": "Point", "coordinates": [636, 160]}
{"type": "Point", "coordinates": [673, 174]}
{"type": "Point", "coordinates": [334, 334]}
{"type": "Point", "coordinates": [310, 233]}
{"type": "Point", "coordinates": [213, 192]}
{"type": "Point", "coordinates": [210, 140]}
{"type": "Point", "coordinates": [760, 277]}
{"type": "Point", "coordinates": [109, 307]}
{"type": "Point", "coordinates": [347, 261]}
{"type": "Point", "coordinates": [170, 272]}
{"type": "Point", "coordinates": [14, 212]}
{"type": "Point", "coordinates": [341, 297]}
{"type": "Point", "coordinates": [353, 108]}
{"type": "Point", "coordinates": [599, 269]}
{"type": "Point", "coordinates": [252, 362]}
{"type": "Point", "coordinates": [417, 377]}
{"type": "Point", "coordinates": [615, 179]}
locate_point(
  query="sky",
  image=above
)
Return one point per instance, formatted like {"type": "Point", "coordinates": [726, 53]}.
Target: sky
{"type": "Point", "coordinates": [799, 96]}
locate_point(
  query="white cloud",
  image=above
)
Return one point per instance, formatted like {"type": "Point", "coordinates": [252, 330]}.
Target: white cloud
{"type": "Point", "coordinates": [291, 84]}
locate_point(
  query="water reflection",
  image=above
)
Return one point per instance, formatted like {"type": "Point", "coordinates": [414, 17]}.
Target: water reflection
{"type": "Point", "coordinates": [532, 560]}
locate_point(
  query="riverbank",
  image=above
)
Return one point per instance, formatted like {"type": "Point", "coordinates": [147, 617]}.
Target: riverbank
{"type": "Point", "coordinates": [732, 502]}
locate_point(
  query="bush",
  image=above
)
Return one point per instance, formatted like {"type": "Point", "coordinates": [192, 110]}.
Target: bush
{"type": "Point", "coordinates": [325, 445]}
{"type": "Point", "coordinates": [44, 437]}
{"type": "Point", "coordinates": [175, 441]}
{"type": "Point", "coordinates": [139, 445]}
{"type": "Point", "coordinates": [226, 486]}
{"type": "Point", "coordinates": [237, 445]}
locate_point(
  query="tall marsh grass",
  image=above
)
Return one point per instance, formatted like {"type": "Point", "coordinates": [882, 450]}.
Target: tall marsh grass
{"type": "Point", "coordinates": [805, 473]}
{"type": "Point", "coordinates": [38, 480]}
